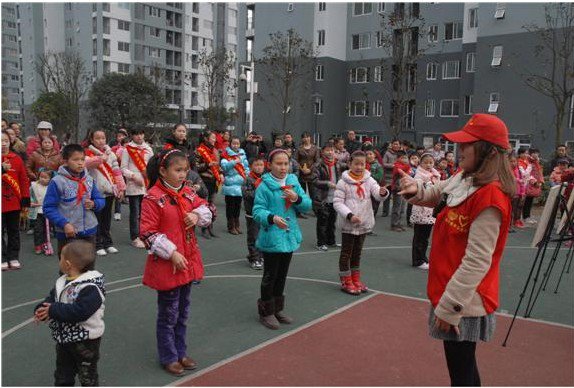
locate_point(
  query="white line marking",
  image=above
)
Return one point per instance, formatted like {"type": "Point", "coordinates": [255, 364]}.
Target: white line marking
{"type": "Point", "coordinates": [17, 327]}
{"type": "Point", "coordinates": [270, 341]}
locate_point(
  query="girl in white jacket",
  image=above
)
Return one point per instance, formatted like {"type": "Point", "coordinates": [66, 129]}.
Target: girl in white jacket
{"type": "Point", "coordinates": [422, 217]}
{"type": "Point", "coordinates": [355, 218]}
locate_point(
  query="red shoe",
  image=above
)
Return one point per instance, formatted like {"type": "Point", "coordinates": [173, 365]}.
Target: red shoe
{"type": "Point", "coordinates": [348, 286]}
{"type": "Point", "coordinates": [356, 278]}
{"type": "Point", "coordinates": [519, 224]}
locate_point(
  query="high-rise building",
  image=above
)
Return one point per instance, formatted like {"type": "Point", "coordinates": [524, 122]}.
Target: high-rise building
{"type": "Point", "coordinates": [158, 39]}
{"type": "Point", "coordinates": [10, 63]}
{"type": "Point", "coordinates": [470, 58]}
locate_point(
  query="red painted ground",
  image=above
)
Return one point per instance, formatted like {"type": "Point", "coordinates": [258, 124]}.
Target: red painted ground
{"type": "Point", "coordinates": [384, 342]}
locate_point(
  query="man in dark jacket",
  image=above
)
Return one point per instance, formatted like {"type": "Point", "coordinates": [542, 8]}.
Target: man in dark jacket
{"type": "Point", "coordinates": [561, 153]}
{"type": "Point", "coordinates": [352, 144]}
{"type": "Point", "coordinates": [254, 146]}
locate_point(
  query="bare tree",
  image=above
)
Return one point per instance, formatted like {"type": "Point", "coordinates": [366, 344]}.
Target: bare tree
{"type": "Point", "coordinates": [555, 52]}
{"type": "Point", "coordinates": [217, 66]}
{"type": "Point", "coordinates": [400, 34]}
{"type": "Point", "coordinates": [288, 63]}
{"type": "Point", "coordinates": [65, 73]}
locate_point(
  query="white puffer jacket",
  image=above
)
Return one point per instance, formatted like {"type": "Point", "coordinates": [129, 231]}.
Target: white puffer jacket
{"type": "Point", "coordinates": [347, 200]}
{"type": "Point", "coordinates": [422, 215]}
{"type": "Point", "coordinates": [134, 178]}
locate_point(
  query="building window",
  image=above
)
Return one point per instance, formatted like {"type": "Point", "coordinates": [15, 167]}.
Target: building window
{"type": "Point", "coordinates": [154, 52]}
{"type": "Point", "coordinates": [410, 116]}
{"type": "Point", "coordinates": [106, 67]}
{"type": "Point", "coordinates": [153, 11]}
{"type": "Point", "coordinates": [153, 31]}
{"type": "Point", "coordinates": [496, 56]}
{"type": "Point", "coordinates": [358, 108]}
{"type": "Point", "coordinates": [494, 102]}
{"type": "Point", "coordinates": [322, 7]}
{"type": "Point", "coordinates": [123, 25]}
{"type": "Point", "coordinates": [473, 18]}
{"type": "Point", "coordinates": [318, 106]}
{"type": "Point", "coordinates": [452, 31]}
{"type": "Point", "coordinates": [319, 73]}
{"type": "Point", "coordinates": [106, 45]}
{"type": "Point", "coordinates": [361, 41]}
{"type": "Point", "coordinates": [123, 68]}
{"type": "Point", "coordinates": [378, 74]}
{"type": "Point", "coordinates": [380, 39]}
{"type": "Point", "coordinates": [362, 9]}
{"type": "Point", "coordinates": [451, 70]}
{"type": "Point", "coordinates": [124, 46]}
{"type": "Point", "coordinates": [195, 24]}
{"type": "Point", "coordinates": [468, 105]}
{"type": "Point", "coordinates": [429, 108]}
{"type": "Point", "coordinates": [500, 11]}
{"type": "Point", "coordinates": [448, 108]}
{"type": "Point", "coordinates": [571, 120]}
{"type": "Point", "coordinates": [381, 7]}
{"type": "Point", "coordinates": [106, 7]}
{"type": "Point", "coordinates": [106, 23]}
{"type": "Point", "coordinates": [470, 62]}
{"type": "Point", "coordinates": [432, 70]}
{"type": "Point", "coordinates": [290, 7]}
{"type": "Point", "coordinates": [249, 47]}
{"type": "Point", "coordinates": [377, 108]}
{"type": "Point", "coordinates": [359, 75]}
{"type": "Point", "coordinates": [94, 47]}
{"type": "Point", "coordinates": [321, 38]}
{"type": "Point", "coordinates": [433, 33]}
{"type": "Point", "coordinates": [95, 69]}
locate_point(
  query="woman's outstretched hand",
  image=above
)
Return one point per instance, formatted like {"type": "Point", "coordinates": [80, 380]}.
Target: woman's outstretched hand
{"type": "Point", "coordinates": [408, 184]}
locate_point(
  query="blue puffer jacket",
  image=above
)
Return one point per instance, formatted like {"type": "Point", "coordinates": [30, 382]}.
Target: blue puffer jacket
{"type": "Point", "coordinates": [269, 202]}
{"type": "Point", "coordinates": [233, 181]}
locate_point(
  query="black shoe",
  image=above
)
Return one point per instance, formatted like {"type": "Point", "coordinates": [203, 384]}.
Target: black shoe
{"type": "Point", "coordinates": [205, 234]}
{"type": "Point", "coordinates": [385, 214]}
{"type": "Point", "coordinates": [301, 215]}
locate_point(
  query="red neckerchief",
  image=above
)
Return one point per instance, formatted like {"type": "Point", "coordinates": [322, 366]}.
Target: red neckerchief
{"type": "Point", "coordinates": [183, 204]}
{"type": "Point", "coordinates": [330, 164]}
{"type": "Point", "coordinates": [256, 178]}
{"type": "Point", "coordinates": [81, 187]}
{"type": "Point", "coordinates": [358, 183]}
{"type": "Point", "coordinates": [288, 202]}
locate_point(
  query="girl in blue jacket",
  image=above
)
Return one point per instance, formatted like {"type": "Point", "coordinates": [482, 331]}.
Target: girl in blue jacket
{"type": "Point", "coordinates": [235, 170]}
{"type": "Point", "coordinates": [277, 200]}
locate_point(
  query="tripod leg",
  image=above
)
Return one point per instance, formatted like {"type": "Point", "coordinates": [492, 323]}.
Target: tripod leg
{"type": "Point", "coordinates": [535, 281]}
{"type": "Point", "coordinates": [551, 266]}
{"type": "Point", "coordinates": [562, 273]}
{"type": "Point", "coordinates": [542, 285]}
{"type": "Point", "coordinates": [569, 258]}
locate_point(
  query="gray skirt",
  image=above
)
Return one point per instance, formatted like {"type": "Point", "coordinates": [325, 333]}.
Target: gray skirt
{"type": "Point", "coordinates": [471, 329]}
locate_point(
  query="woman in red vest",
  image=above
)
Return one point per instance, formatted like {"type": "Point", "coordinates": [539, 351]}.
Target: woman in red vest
{"type": "Point", "coordinates": [473, 217]}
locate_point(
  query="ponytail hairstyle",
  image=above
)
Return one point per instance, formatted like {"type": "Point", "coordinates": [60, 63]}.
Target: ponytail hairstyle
{"type": "Point", "coordinates": [88, 140]}
{"type": "Point", "coordinates": [164, 159]}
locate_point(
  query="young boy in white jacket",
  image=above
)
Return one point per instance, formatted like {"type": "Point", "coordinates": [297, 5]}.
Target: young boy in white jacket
{"type": "Point", "coordinates": [355, 218]}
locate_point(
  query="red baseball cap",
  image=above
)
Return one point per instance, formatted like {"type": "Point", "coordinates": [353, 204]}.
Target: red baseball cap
{"type": "Point", "coordinates": [481, 126]}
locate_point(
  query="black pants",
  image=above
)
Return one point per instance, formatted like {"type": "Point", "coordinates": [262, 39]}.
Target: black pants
{"type": "Point", "coordinates": [117, 206]}
{"type": "Point", "coordinates": [275, 269]}
{"type": "Point", "coordinates": [326, 217]}
{"type": "Point", "coordinates": [350, 258]}
{"type": "Point", "coordinates": [211, 189]}
{"type": "Point", "coordinates": [409, 212]}
{"type": "Point", "coordinates": [104, 216]}
{"type": "Point", "coordinates": [461, 362]}
{"type": "Point", "coordinates": [517, 205]}
{"type": "Point", "coordinates": [77, 358]}
{"type": "Point", "coordinates": [527, 207]}
{"type": "Point", "coordinates": [135, 211]}
{"type": "Point", "coordinates": [252, 232]}
{"type": "Point", "coordinates": [40, 231]}
{"type": "Point", "coordinates": [232, 207]}
{"type": "Point", "coordinates": [10, 235]}
{"type": "Point", "coordinates": [376, 204]}
{"type": "Point", "coordinates": [420, 243]}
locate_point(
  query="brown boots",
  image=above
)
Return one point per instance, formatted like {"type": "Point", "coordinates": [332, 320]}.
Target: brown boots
{"type": "Point", "coordinates": [271, 313]}
{"type": "Point", "coordinates": [233, 226]}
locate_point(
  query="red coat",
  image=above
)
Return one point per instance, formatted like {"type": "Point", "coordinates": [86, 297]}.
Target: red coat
{"type": "Point", "coordinates": [159, 215]}
{"type": "Point", "coordinates": [15, 184]}
{"type": "Point", "coordinates": [450, 236]}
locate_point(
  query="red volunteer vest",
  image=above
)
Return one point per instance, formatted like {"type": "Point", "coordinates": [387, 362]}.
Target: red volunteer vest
{"type": "Point", "coordinates": [450, 237]}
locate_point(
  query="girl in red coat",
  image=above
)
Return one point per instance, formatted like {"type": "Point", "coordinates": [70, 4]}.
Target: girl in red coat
{"type": "Point", "coordinates": [170, 211]}
{"type": "Point", "coordinates": [15, 197]}
{"type": "Point", "coordinates": [473, 217]}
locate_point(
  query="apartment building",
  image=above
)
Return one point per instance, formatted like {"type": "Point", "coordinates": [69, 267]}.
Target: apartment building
{"type": "Point", "coordinates": [10, 63]}
{"type": "Point", "coordinates": [158, 39]}
{"type": "Point", "coordinates": [473, 59]}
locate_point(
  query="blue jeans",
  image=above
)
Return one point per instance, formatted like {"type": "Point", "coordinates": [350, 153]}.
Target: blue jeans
{"type": "Point", "coordinates": [172, 314]}
{"type": "Point", "coordinates": [135, 210]}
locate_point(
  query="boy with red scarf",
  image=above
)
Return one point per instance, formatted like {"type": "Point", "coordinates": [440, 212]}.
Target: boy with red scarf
{"type": "Point", "coordinates": [399, 204]}
{"type": "Point", "coordinates": [72, 199]}
{"type": "Point", "coordinates": [257, 168]}
{"type": "Point", "coordinates": [325, 178]}
{"type": "Point", "coordinates": [15, 197]}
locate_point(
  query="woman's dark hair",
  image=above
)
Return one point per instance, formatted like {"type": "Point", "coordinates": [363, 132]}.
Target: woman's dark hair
{"type": "Point", "coordinates": [522, 150]}
{"type": "Point", "coordinates": [69, 149]}
{"type": "Point", "coordinates": [276, 151]}
{"type": "Point", "coordinates": [233, 138]}
{"type": "Point", "coordinates": [357, 154]}
{"type": "Point", "coordinates": [163, 159]}
{"type": "Point", "coordinates": [179, 125]}
{"type": "Point", "coordinates": [88, 140]}
{"type": "Point", "coordinates": [534, 151]}
{"type": "Point", "coordinates": [256, 159]}
{"type": "Point", "coordinates": [305, 134]}
{"type": "Point", "coordinates": [204, 136]}
{"type": "Point", "coordinates": [137, 131]}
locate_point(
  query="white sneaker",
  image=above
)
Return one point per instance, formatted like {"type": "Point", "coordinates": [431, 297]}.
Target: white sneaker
{"type": "Point", "coordinates": [5, 266]}
{"type": "Point", "coordinates": [29, 232]}
{"type": "Point", "coordinates": [118, 216]}
{"type": "Point", "coordinates": [101, 252]}
{"type": "Point", "coordinates": [322, 248]}
{"type": "Point", "coordinates": [423, 266]}
{"type": "Point", "coordinates": [112, 250]}
{"type": "Point", "coordinates": [530, 220]}
{"type": "Point", "coordinates": [138, 243]}
{"type": "Point", "coordinates": [15, 264]}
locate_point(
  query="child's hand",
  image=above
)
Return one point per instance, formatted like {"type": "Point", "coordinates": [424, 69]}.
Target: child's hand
{"type": "Point", "coordinates": [408, 184]}
{"type": "Point", "coordinates": [191, 219]}
{"type": "Point", "coordinates": [355, 220]}
{"type": "Point", "coordinates": [288, 193]}
{"type": "Point", "coordinates": [89, 204]}
{"type": "Point", "coordinates": [69, 230]}
{"type": "Point", "coordinates": [445, 326]}
{"type": "Point", "coordinates": [42, 313]}
{"type": "Point", "coordinates": [179, 262]}
{"type": "Point", "coordinates": [383, 192]}
{"type": "Point", "coordinates": [332, 185]}
{"type": "Point", "coordinates": [280, 222]}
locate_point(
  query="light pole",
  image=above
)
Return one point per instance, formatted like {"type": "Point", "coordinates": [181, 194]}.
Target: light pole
{"type": "Point", "coordinates": [252, 84]}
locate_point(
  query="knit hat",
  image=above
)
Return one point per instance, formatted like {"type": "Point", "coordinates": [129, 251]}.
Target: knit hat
{"type": "Point", "coordinates": [44, 125]}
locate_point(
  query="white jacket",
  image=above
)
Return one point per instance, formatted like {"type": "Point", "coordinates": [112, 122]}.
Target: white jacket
{"type": "Point", "coordinates": [422, 215]}
{"type": "Point", "coordinates": [346, 200]}
{"type": "Point", "coordinates": [132, 173]}
{"type": "Point", "coordinates": [105, 187]}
